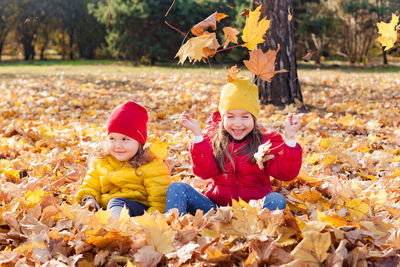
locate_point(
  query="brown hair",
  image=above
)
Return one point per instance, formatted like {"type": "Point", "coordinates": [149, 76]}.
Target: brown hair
{"type": "Point", "coordinates": [142, 156]}
{"type": "Point", "coordinates": [220, 145]}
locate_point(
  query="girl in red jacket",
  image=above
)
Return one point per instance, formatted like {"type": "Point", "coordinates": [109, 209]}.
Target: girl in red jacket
{"type": "Point", "coordinates": [225, 151]}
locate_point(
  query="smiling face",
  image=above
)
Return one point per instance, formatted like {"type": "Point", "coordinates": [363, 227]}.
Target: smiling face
{"type": "Point", "coordinates": [122, 147]}
{"type": "Point", "coordinates": [238, 123]}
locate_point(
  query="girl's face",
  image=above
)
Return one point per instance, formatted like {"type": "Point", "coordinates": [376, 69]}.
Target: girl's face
{"type": "Point", "coordinates": [238, 123]}
{"type": "Point", "coordinates": [122, 147]}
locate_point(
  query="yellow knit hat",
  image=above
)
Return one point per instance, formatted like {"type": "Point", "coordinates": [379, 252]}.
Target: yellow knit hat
{"type": "Point", "coordinates": [240, 93]}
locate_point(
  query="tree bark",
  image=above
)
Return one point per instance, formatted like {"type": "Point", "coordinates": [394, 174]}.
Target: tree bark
{"type": "Point", "coordinates": [284, 88]}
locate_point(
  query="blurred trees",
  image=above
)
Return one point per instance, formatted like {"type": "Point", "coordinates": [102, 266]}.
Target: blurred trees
{"type": "Point", "coordinates": [136, 29]}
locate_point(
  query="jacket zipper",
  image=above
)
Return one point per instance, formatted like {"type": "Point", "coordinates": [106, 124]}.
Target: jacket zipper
{"type": "Point", "coordinates": [235, 176]}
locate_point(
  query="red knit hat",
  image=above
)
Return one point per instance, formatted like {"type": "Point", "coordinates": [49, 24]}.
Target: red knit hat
{"type": "Point", "coordinates": [129, 119]}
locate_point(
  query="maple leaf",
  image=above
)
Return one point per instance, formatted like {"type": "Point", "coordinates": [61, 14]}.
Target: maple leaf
{"type": "Point", "coordinates": [157, 232]}
{"type": "Point", "coordinates": [254, 29]}
{"type": "Point", "coordinates": [194, 48]}
{"type": "Point", "coordinates": [262, 154]}
{"type": "Point", "coordinates": [147, 256]}
{"type": "Point", "coordinates": [313, 248]}
{"type": "Point", "coordinates": [210, 21]}
{"type": "Point", "coordinates": [230, 35]}
{"type": "Point", "coordinates": [263, 64]}
{"type": "Point", "coordinates": [388, 32]}
{"type": "Point", "coordinates": [232, 73]}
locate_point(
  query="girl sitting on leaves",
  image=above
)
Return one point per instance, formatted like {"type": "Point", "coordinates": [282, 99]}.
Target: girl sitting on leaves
{"type": "Point", "coordinates": [225, 152]}
{"type": "Point", "coordinates": [126, 174]}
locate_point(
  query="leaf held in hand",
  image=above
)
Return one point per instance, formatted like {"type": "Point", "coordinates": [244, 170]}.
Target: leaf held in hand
{"type": "Point", "coordinates": [262, 155]}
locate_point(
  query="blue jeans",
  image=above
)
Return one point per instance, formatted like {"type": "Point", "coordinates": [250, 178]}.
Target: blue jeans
{"type": "Point", "coordinates": [135, 208]}
{"type": "Point", "coordinates": [187, 200]}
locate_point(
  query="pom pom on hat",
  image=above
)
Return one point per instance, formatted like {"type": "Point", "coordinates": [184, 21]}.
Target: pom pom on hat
{"type": "Point", "coordinates": [129, 119]}
{"type": "Point", "coordinates": [240, 93]}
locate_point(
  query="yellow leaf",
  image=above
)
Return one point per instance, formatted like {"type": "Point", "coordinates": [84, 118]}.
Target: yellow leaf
{"type": "Point", "coordinates": [357, 208]}
{"type": "Point", "coordinates": [254, 29]}
{"type": "Point", "coordinates": [34, 197]}
{"type": "Point", "coordinates": [388, 32]}
{"type": "Point", "coordinates": [314, 158]}
{"type": "Point", "coordinates": [194, 48]}
{"type": "Point", "coordinates": [313, 248]}
{"type": "Point", "coordinates": [334, 219]}
{"type": "Point", "coordinates": [124, 216]}
{"type": "Point", "coordinates": [103, 216]}
{"type": "Point", "coordinates": [157, 231]}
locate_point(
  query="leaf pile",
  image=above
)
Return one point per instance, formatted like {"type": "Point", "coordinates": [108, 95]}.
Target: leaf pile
{"type": "Point", "coordinates": [343, 209]}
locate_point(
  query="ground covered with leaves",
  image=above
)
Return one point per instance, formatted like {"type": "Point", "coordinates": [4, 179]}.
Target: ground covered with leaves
{"type": "Point", "coordinates": [343, 209]}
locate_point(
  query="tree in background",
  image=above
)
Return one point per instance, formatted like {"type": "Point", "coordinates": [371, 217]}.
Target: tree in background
{"type": "Point", "coordinates": [284, 88]}
{"type": "Point", "coordinates": [317, 25]}
{"type": "Point", "coordinates": [7, 19]}
{"type": "Point", "coordinates": [137, 31]}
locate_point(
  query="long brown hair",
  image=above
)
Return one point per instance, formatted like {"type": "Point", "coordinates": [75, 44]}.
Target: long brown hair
{"type": "Point", "coordinates": [142, 156]}
{"type": "Point", "coordinates": [220, 145]}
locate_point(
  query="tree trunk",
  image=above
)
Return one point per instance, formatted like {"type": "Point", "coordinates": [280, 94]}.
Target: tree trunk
{"type": "Point", "coordinates": [1, 49]}
{"type": "Point", "coordinates": [71, 43]}
{"type": "Point", "coordinates": [284, 88]}
{"type": "Point", "coordinates": [29, 49]}
{"type": "Point", "coordinates": [385, 61]}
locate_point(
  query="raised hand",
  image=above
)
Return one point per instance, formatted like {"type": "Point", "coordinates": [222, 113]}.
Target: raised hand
{"type": "Point", "coordinates": [189, 123]}
{"type": "Point", "coordinates": [292, 126]}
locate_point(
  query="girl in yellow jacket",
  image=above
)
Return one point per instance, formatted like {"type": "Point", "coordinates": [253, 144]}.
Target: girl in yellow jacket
{"type": "Point", "coordinates": [126, 174]}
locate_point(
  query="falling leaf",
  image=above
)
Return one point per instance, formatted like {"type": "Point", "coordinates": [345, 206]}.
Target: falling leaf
{"type": "Point", "coordinates": [210, 21]}
{"type": "Point", "coordinates": [254, 29]}
{"type": "Point", "coordinates": [263, 64]}
{"type": "Point", "coordinates": [194, 48]}
{"type": "Point", "coordinates": [388, 32]}
{"type": "Point", "coordinates": [232, 73]}
{"type": "Point", "coordinates": [307, 57]}
{"type": "Point", "coordinates": [289, 16]}
{"type": "Point", "coordinates": [230, 36]}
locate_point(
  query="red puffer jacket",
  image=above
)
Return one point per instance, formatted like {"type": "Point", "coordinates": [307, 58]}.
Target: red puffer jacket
{"type": "Point", "coordinates": [246, 181]}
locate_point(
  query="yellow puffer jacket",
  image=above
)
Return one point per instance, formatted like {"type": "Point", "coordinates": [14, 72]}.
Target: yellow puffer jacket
{"type": "Point", "coordinates": [110, 178]}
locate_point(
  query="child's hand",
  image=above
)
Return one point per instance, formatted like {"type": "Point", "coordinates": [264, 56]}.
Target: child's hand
{"type": "Point", "coordinates": [189, 123]}
{"type": "Point", "coordinates": [91, 204]}
{"type": "Point", "coordinates": [292, 126]}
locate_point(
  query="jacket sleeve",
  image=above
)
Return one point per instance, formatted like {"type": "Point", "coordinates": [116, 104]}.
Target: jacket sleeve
{"type": "Point", "coordinates": [156, 180]}
{"type": "Point", "coordinates": [287, 160]}
{"type": "Point", "coordinates": [90, 185]}
{"type": "Point", "coordinates": [203, 161]}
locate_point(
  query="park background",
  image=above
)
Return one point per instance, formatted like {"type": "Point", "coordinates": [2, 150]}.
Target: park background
{"type": "Point", "coordinates": [337, 31]}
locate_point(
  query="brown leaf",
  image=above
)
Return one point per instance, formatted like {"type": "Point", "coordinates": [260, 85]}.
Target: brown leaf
{"type": "Point", "coordinates": [230, 35]}
{"type": "Point", "coordinates": [147, 257]}
{"type": "Point", "coordinates": [307, 57]}
{"type": "Point", "coordinates": [232, 73]}
{"type": "Point", "coordinates": [263, 64]}
{"type": "Point", "coordinates": [210, 21]}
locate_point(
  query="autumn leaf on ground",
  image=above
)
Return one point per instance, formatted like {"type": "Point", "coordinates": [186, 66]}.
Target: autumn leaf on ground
{"type": "Point", "coordinates": [313, 248]}
{"type": "Point", "coordinates": [262, 154]}
{"type": "Point", "coordinates": [210, 21]}
{"type": "Point", "coordinates": [263, 64]}
{"type": "Point", "coordinates": [255, 29]}
{"type": "Point", "coordinates": [232, 73]}
{"type": "Point", "coordinates": [388, 32]}
{"type": "Point", "coordinates": [194, 48]}
{"type": "Point", "coordinates": [230, 35]}
{"type": "Point", "coordinates": [157, 232]}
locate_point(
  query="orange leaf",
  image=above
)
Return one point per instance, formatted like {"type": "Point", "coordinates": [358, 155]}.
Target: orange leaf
{"type": "Point", "coordinates": [211, 21]}
{"type": "Point", "coordinates": [230, 35]}
{"type": "Point", "coordinates": [263, 64]}
{"type": "Point", "coordinates": [232, 73]}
